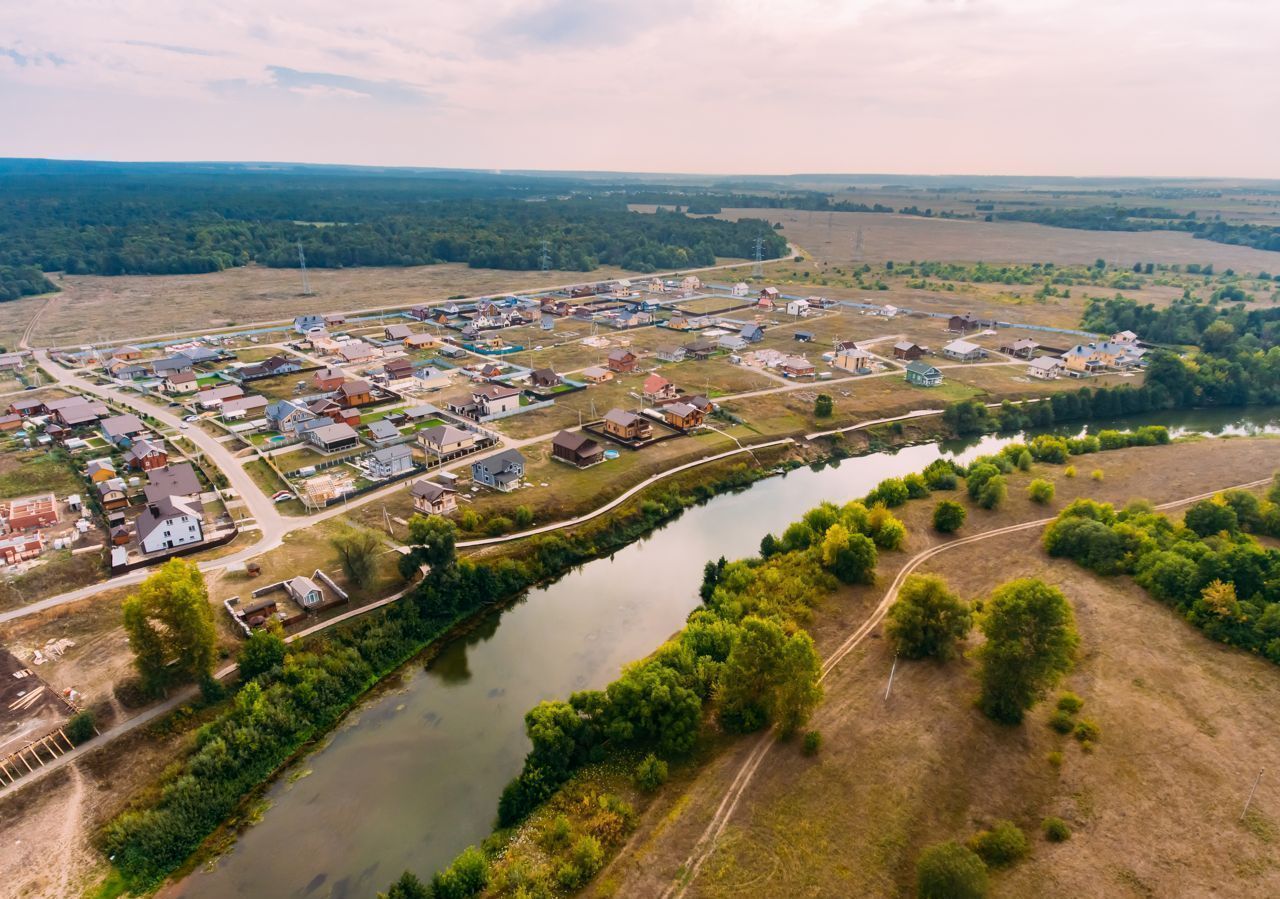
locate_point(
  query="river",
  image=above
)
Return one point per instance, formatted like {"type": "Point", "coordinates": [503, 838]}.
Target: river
{"type": "Point", "coordinates": [413, 776]}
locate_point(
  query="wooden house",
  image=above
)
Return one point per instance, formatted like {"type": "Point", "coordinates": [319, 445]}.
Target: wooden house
{"type": "Point", "coordinates": [430, 498]}
{"type": "Point", "coordinates": [684, 416]}
{"type": "Point", "coordinates": [623, 360]}
{"type": "Point", "coordinates": [576, 448]}
{"type": "Point", "coordinates": [923, 375]}
{"type": "Point", "coordinates": [627, 425]}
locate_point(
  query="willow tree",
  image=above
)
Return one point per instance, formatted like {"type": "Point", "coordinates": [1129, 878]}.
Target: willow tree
{"type": "Point", "coordinates": [170, 627]}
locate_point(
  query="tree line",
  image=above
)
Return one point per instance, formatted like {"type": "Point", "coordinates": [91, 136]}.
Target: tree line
{"type": "Point", "coordinates": [1215, 327]}
{"type": "Point", "coordinates": [1146, 218]}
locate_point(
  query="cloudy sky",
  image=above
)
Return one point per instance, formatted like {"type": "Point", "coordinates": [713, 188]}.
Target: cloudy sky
{"type": "Point", "coordinates": [1079, 87]}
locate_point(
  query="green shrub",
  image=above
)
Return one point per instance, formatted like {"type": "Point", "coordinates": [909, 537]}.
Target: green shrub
{"type": "Point", "coordinates": [557, 836]}
{"type": "Point", "coordinates": [1096, 474]}
{"type": "Point", "coordinates": [467, 876]}
{"type": "Point", "coordinates": [948, 516]}
{"type": "Point", "coordinates": [1040, 491]}
{"type": "Point", "coordinates": [1070, 471]}
{"type": "Point", "coordinates": [1070, 703]}
{"type": "Point", "coordinates": [812, 743]}
{"type": "Point", "coordinates": [891, 491]}
{"type": "Point", "coordinates": [1003, 844]}
{"type": "Point", "coordinates": [993, 493]}
{"type": "Point", "coordinates": [1055, 830]}
{"type": "Point", "coordinates": [917, 487]}
{"type": "Point", "coordinates": [1088, 731]}
{"type": "Point", "coordinates": [1062, 722]}
{"type": "Point", "coordinates": [1023, 461]}
{"type": "Point", "coordinates": [81, 727]}
{"type": "Point", "coordinates": [651, 773]}
{"type": "Point", "coordinates": [940, 475]}
{"type": "Point", "coordinates": [1054, 759]}
{"type": "Point", "coordinates": [950, 871]}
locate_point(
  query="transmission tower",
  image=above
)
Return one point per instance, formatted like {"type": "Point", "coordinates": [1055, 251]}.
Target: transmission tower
{"type": "Point", "coordinates": [545, 259]}
{"type": "Point", "coordinates": [302, 263]}
{"type": "Point", "coordinates": [758, 269]}
{"type": "Point", "coordinates": [857, 245]}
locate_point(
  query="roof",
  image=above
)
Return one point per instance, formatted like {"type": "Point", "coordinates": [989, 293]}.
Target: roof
{"type": "Point", "coordinates": [620, 354]}
{"type": "Point", "coordinates": [383, 430]}
{"type": "Point", "coordinates": [162, 509]}
{"type": "Point", "coordinates": [495, 391]}
{"type": "Point", "coordinates": [416, 339]}
{"type": "Point", "coordinates": [440, 435]}
{"type": "Point", "coordinates": [655, 382]}
{"type": "Point", "coordinates": [122, 425]}
{"type": "Point", "coordinates": [244, 404]}
{"type": "Point", "coordinates": [594, 371]}
{"type": "Point", "coordinates": [621, 417]}
{"type": "Point", "coordinates": [501, 460]}
{"type": "Point", "coordinates": [139, 450]}
{"type": "Point", "coordinates": [575, 442]}
{"type": "Point", "coordinates": [334, 432]}
{"type": "Point", "coordinates": [96, 465]}
{"type": "Point", "coordinates": [922, 368]}
{"type": "Point", "coordinates": [302, 585]}
{"type": "Point", "coordinates": [1026, 343]}
{"type": "Point", "coordinates": [226, 392]}
{"type": "Point", "coordinates": [682, 410]}
{"type": "Point", "coordinates": [397, 332]}
{"type": "Point", "coordinates": [178, 479]}
{"type": "Point", "coordinates": [429, 490]}
{"type": "Point", "coordinates": [392, 453]}
{"type": "Point", "coordinates": [1045, 363]}
{"type": "Point", "coordinates": [328, 374]}
{"type": "Point", "coordinates": [545, 374]}
{"type": "Point", "coordinates": [961, 346]}
{"type": "Point", "coordinates": [180, 377]}
{"type": "Point", "coordinates": [426, 410]}
{"type": "Point", "coordinates": [354, 388]}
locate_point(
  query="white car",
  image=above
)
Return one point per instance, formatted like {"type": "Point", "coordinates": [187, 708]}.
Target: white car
{"type": "Point", "coordinates": [182, 426]}
{"type": "Point", "coordinates": [191, 418]}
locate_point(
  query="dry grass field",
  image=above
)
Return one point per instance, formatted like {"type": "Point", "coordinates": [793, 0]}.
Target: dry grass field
{"type": "Point", "coordinates": [1154, 808]}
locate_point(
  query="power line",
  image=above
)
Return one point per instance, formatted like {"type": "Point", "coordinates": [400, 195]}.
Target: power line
{"type": "Point", "coordinates": [758, 269]}
{"type": "Point", "coordinates": [302, 263]}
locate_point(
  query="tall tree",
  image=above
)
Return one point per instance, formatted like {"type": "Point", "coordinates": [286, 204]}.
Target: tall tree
{"type": "Point", "coordinates": [927, 620]}
{"type": "Point", "coordinates": [358, 549]}
{"type": "Point", "coordinates": [170, 627]}
{"type": "Point", "coordinates": [1031, 642]}
{"type": "Point", "coordinates": [769, 677]}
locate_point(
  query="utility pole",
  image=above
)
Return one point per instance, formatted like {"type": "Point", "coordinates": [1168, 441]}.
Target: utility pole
{"type": "Point", "coordinates": [1254, 789]}
{"type": "Point", "coordinates": [757, 270]}
{"type": "Point", "coordinates": [857, 245]}
{"type": "Point", "coordinates": [545, 259]}
{"type": "Point", "coordinates": [891, 672]}
{"type": "Point", "coordinates": [302, 263]}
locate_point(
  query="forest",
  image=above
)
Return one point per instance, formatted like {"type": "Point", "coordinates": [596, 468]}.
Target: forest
{"type": "Point", "coordinates": [1144, 218]}
{"type": "Point", "coordinates": [118, 220]}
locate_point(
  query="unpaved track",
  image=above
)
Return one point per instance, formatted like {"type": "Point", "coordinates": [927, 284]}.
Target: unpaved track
{"type": "Point", "coordinates": [706, 843]}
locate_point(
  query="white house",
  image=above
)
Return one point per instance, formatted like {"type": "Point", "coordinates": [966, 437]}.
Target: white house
{"type": "Point", "coordinates": [1046, 368]}
{"type": "Point", "coordinates": [740, 289]}
{"type": "Point", "coordinates": [797, 307]}
{"type": "Point", "coordinates": [170, 522]}
{"type": "Point", "coordinates": [963, 351]}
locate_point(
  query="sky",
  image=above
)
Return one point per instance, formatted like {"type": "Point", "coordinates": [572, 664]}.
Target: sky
{"type": "Point", "coordinates": [1033, 87]}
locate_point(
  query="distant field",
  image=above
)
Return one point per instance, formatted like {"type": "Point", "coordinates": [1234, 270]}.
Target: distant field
{"type": "Point", "coordinates": [831, 236]}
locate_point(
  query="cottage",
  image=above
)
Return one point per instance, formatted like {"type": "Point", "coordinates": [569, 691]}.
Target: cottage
{"type": "Point", "coordinates": [679, 323]}
{"type": "Point", "coordinates": [198, 354]}
{"type": "Point", "coordinates": [243, 407]}
{"type": "Point", "coordinates": [798, 307]}
{"type": "Point", "coordinates": [169, 365]}
{"type": "Point", "coordinates": [752, 333]}
{"type": "Point", "coordinates": [922, 374]}
{"type": "Point", "coordinates": [172, 480]}
{"type": "Point", "coordinates": [597, 375]}
{"type": "Point", "coordinates": [700, 350]}
{"type": "Point", "coordinates": [127, 353]}
{"type": "Point", "coordinates": [215, 396]}
{"type": "Point", "coordinates": [656, 387]}
{"type": "Point", "coordinates": [288, 416]}
{"type": "Point", "coordinates": [29, 512]}
{"type": "Point", "coordinates": [21, 548]}
{"type": "Point", "coordinates": [328, 409]}
{"type": "Point", "coordinates": [146, 455]}
{"type": "Point", "coordinates": [355, 351]}
{"type": "Point", "coordinates": [907, 350]}
{"type": "Point", "coordinates": [1045, 368]}
{"type": "Point", "coordinates": [279, 364]}
{"type": "Point", "coordinates": [495, 399]}
{"type": "Point", "coordinates": [1081, 360]}
{"type": "Point", "coordinates": [308, 594]}
{"type": "Point", "coordinates": [10, 422]}
{"type": "Point", "coordinates": [334, 319]}
{"type": "Point", "coordinates": [112, 494]}
{"type": "Point", "coordinates": [769, 294]}
{"type": "Point", "coordinates": [690, 283]}
{"type": "Point", "coordinates": [421, 313]}
{"type": "Point", "coordinates": [180, 382]}
{"type": "Point", "coordinates": [670, 353]}
{"type": "Point", "coordinates": [963, 324]}
{"type": "Point", "coordinates": [121, 429]}
{"type": "Point", "coordinates": [353, 393]}
{"type": "Point", "coordinates": [99, 470]}
{"type": "Point", "coordinates": [627, 426]}
{"type": "Point", "coordinates": [430, 498]}
{"type": "Point", "coordinates": [306, 323]}
{"type": "Point", "coordinates": [797, 367]}
{"type": "Point", "coordinates": [27, 408]}
{"type": "Point", "coordinates": [390, 461]}
{"type": "Point", "coordinates": [170, 522]}
{"type": "Point", "coordinates": [1124, 337]}
{"type": "Point", "coordinates": [396, 332]}
{"type": "Point", "coordinates": [501, 471]}
{"type": "Point", "coordinates": [383, 431]}
{"type": "Point", "coordinates": [545, 378]}
{"type": "Point", "coordinates": [444, 440]}
{"type": "Point", "coordinates": [332, 438]}
{"type": "Point", "coordinates": [428, 378]}
{"type": "Point", "coordinates": [623, 360]}
{"type": "Point", "coordinates": [964, 351]}
{"type": "Point", "coordinates": [740, 289]}
{"type": "Point", "coordinates": [420, 413]}
{"type": "Point", "coordinates": [684, 416]}
{"type": "Point", "coordinates": [852, 359]}
{"type": "Point", "coordinates": [1023, 348]}
{"type": "Point", "coordinates": [327, 379]}
{"type": "Point", "coordinates": [397, 370]}
{"type": "Point", "coordinates": [576, 448]}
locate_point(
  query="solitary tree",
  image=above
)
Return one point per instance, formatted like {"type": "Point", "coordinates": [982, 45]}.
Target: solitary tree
{"type": "Point", "coordinates": [434, 540]}
{"type": "Point", "coordinates": [170, 627]}
{"type": "Point", "coordinates": [823, 406]}
{"type": "Point", "coordinates": [948, 516]}
{"type": "Point", "coordinates": [927, 620]}
{"type": "Point", "coordinates": [358, 550]}
{"type": "Point", "coordinates": [1040, 491]}
{"type": "Point", "coordinates": [1031, 641]}
{"type": "Point", "coordinates": [950, 871]}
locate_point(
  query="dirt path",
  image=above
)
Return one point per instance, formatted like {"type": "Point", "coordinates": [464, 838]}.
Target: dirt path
{"type": "Point", "coordinates": [707, 841]}
{"type": "Point", "coordinates": [70, 841]}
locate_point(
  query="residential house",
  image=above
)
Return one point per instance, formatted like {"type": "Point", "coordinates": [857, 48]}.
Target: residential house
{"type": "Point", "coordinates": [494, 399]}
{"type": "Point", "coordinates": [420, 413]}
{"type": "Point", "coordinates": [21, 548]}
{"type": "Point", "coordinates": [545, 378]}
{"type": "Point", "coordinates": [329, 409]}
{"type": "Point", "coordinates": [327, 379]}
{"type": "Point", "coordinates": [428, 378]}
{"type": "Point", "coordinates": [421, 313]}
{"type": "Point", "coordinates": [178, 479]}
{"type": "Point", "coordinates": [10, 422]}
{"type": "Point", "coordinates": [430, 498]}
{"type": "Point", "coordinates": [1082, 360]}
{"type": "Point", "coordinates": [752, 333]}
{"type": "Point", "coordinates": [1125, 337]}
{"type": "Point", "coordinates": [596, 375]}
{"type": "Point", "coordinates": [797, 307]}
{"type": "Point", "coordinates": [576, 448]}
{"type": "Point", "coordinates": [852, 359]}
{"type": "Point", "coordinates": [279, 364]}
{"type": "Point", "coordinates": [731, 342]}
{"type": "Point", "coordinates": [133, 371]}
{"type": "Point", "coordinates": [684, 416]}
{"type": "Point", "coordinates": [28, 513]}
{"type": "Point", "coordinates": [12, 361]}
{"type": "Point", "coordinates": [332, 438]}
{"type": "Point", "coordinates": [145, 455]}
{"type": "Point", "coordinates": [383, 432]}
{"type": "Point", "coordinates": [627, 425]}
{"type": "Point", "coordinates": [421, 341]}
{"type": "Point", "coordinates": [306, 323]}
{"type": "Point", "coordinates": [699, 350]}
{"type": "Point", "coordinates": [356, 351]}
{"type": "Point", "coordinates": [396, 332]}
{"type": "Point", "coordinates": [288, 416]}
{"type": "Point", "coordinates": [656, 387]}
{"type": "Point", "coordinates": [679, 323]}
{"type": "Point", "coordinates": [334, 319]}
{"type": "Point", "coordinates": [501, 471]}
{"type": "Point", "coordinates": [390, 461]}
{"type": "Point", "coordinates": [963, 351]}
{"type": "Point", "coordinates": [922, 374]}
{"type": "Point", "coordinates": [963, 324]}
{"type": "Point", "coordinates": [243, 407]}
{"type": "Point", "coordinates": [121, 429]}
{"type": "Point", "coordinates": [215, 396]}
{"type": "Point", "coordinates": [28, 407]}
{"type": "Point", "coordinates": [353, 393]}
{"type": "Point", "coordinates": [397, 371]}
{"type": "Point", "coordinates": [1045, 368]}
{"type": "Point", "coordinates": [112, 494]}
{"type": "Point", "coordinates": [740, 289]}
{"type": "Point", "coordinates": [170, 522]}
{"type": "Point", "coordinates": [671, 353]}
{"type": "Point", "coordinates": [907, 350]}
{"type": "Point", "coordinates": [99, 470]}
{"type": "Point", "coordinates": [623, 360]}
{"type": "Point", "coordinates": [126, 353]}
{"type": "Point", "coordinates": [179, 382]}
{"type": "Point", "coordinates": [1023, 348]}
{"type": "Point", "coordinates": [169, 365]}
{"type": "Point", "coordinates": [797, 367]}
{"type": "Point", "coordinates": [444, 440]}
{"type": "Point", "coordinates": [769, 297]}
{"type": "Point", "coordinates": [690, 283]}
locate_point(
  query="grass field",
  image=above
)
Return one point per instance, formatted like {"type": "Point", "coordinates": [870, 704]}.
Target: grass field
{"type": "Point", "coordinates": [1182, 721]}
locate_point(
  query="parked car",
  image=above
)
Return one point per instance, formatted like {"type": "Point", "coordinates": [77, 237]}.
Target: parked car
{"type": "Point", "coordinates": [192, 418]}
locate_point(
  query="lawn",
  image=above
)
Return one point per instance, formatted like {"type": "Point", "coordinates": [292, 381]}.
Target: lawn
{"type": "Point", "coordinates": [27, 474]}
{"type": "Point", "coordinates": [269, 482]}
